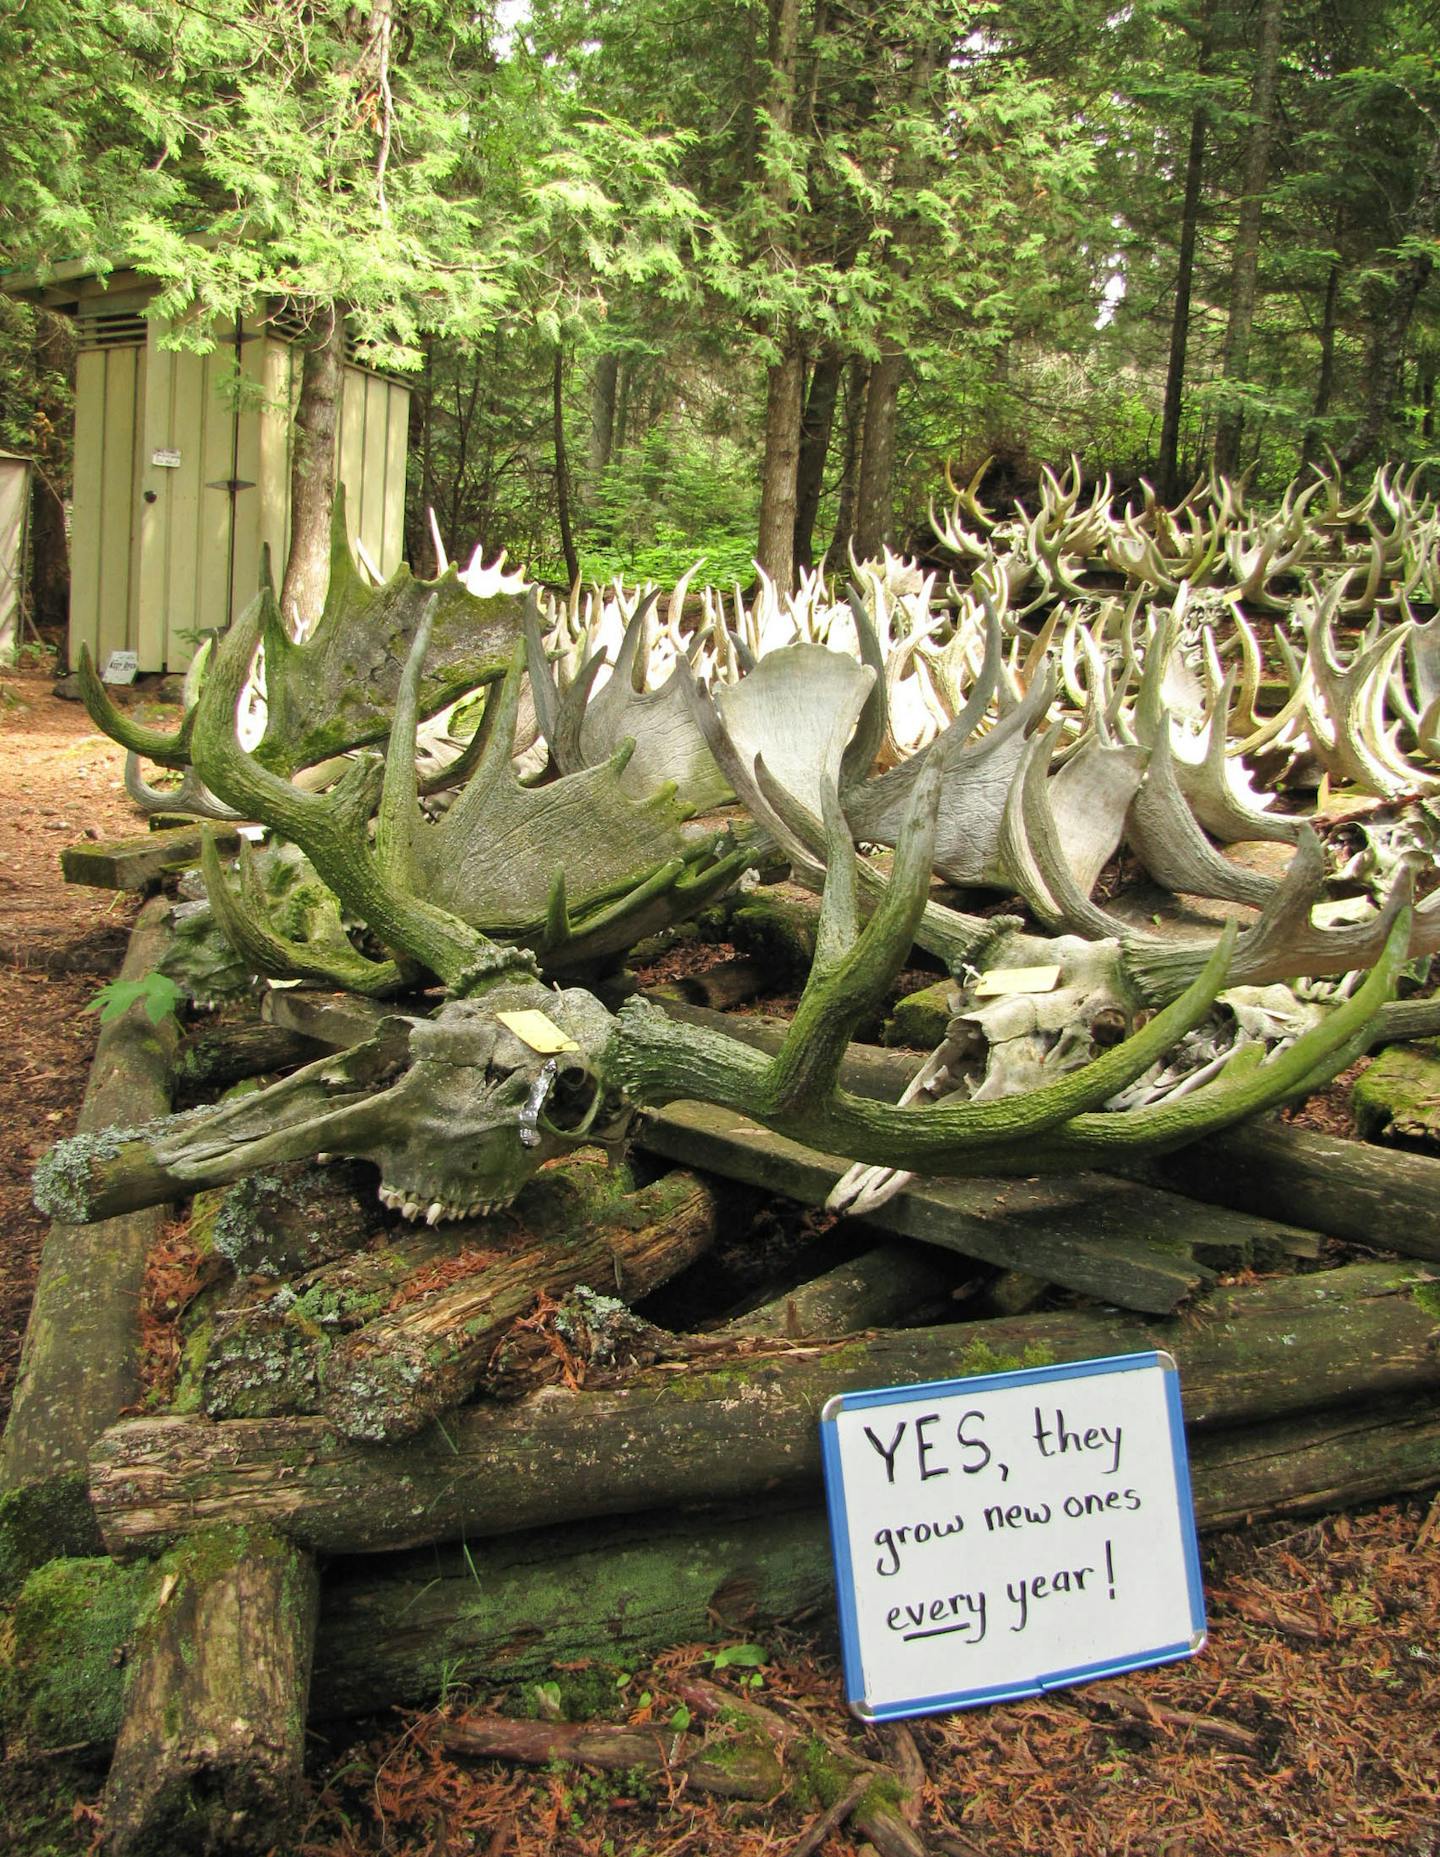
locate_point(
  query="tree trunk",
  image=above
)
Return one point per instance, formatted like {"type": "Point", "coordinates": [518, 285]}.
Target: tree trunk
{"type": "Point", "coordinates": [562, 467]}
{"type": "Point", "coordinates": [1168, 462]}
{"type": "Point", "coordinates": [1392, 319]}
{"type": "Point", "coordinates": [785, 378]}
{"type": "Point", "coordinates": [420, 473]}
{"type": "Point", "coordinates": [312, 473]}
{"type": "Point", "coordinates": [857, 383]}
{"type": "Point", "coordinates": [211, 1748]}
{"type": "Point", "coordinates": [1325, 378]}
{"type": "Point", "coordinates": [877, 457]}
{"type": "Point", "coordinates": [671, 1436]}
{"type": "Point", "coordinates": [815, 428]}
{"type": "Point", "coordinates": [603, 385]}
{"type": "Point", "coordinates": [776, 549]}
{"type": "Point", "coordinates": [1245, 267]}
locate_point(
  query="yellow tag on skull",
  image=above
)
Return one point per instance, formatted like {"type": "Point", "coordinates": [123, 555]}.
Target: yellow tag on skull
{"type": "Point", "coordinates": [534, 1029]}
{"type": "Point", "coordinates": [1001, 981]}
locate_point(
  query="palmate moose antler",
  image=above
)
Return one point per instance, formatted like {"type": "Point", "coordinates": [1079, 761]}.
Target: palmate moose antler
{"type": "Point", "coordinates": [457, 1110]}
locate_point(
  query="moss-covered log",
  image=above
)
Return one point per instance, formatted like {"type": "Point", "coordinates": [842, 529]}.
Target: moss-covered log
{"type": "Point", "coordinates": [1371, 1196]}
{"type": "Point", "coordinates": [266, 1343]}
{"type": "Point", "coordinates": [81, 1361]}
{"type": "Point", "coordinates": [671, 1436]}
{"type": "Point", "coordinates": [1115, 1240]}
{"type": "Point", "coordinates": [1398, 1097]}
{"type": "Point", "coordinates": [403, 1628]}
{"type": "Point", "coordinates": [211, 1741]}
{"type": "Point", "coordinates": [286, 1220]}
{"type": "Point", "coordinates": [894, 1285]}
{"type": "Point", "coordinates": [213, 1056]}
{"type": "Point", "coordinates": [391, 1377]}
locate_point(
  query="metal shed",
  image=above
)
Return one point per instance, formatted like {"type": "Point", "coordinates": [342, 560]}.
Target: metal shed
{"type": "Point", "coordinates": [180, 480]}
{"type": "Point", "coordinates": [14, 503]}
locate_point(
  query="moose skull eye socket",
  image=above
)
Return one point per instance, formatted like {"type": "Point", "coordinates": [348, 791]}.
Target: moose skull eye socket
{"type": "Point", "coordinates": [564, 1102]}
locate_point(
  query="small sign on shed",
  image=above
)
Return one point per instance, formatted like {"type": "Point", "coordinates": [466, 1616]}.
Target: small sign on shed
{"type": "Point", "coordinates": [1010, 1533]}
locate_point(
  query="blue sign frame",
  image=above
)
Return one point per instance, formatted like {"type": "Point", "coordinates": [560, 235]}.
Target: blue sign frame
{"type": "Point", "coordinates": [869, 1708]}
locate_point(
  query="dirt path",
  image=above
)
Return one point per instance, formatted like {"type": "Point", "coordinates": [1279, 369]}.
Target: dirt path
{"type": "Point", "coordinates": [59, 778]}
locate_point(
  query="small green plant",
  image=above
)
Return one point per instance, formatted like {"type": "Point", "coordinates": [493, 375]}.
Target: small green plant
{"type": "Point", "coordinates": [742, 1657]}
{"type": "Point", "coordinates": [156, 992]}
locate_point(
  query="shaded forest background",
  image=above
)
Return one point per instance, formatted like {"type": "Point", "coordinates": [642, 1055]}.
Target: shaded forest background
{"type": "Point", "coordinates": [742, 278]}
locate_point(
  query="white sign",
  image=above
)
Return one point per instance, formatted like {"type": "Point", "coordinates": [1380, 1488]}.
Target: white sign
{"type": "Point", "coordinates": [165, 459]}
{"type": "Point", "coordinates": [1010, 1533]}
{"type": "Point", "coordinates": [120, 667]}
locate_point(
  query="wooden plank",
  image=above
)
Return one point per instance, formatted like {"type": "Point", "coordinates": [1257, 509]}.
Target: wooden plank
{"type": "Point", "coordinates": [138, 864]}
{"type": "Point", "coordinates": [183, 547]}
{"type": "Point", "coordinates": [1108, 1239]}
{"type": "Point", "coordinates": [372, 482]}
{"type": "Point", "coordinates": [85, 506]}
{"type": "Point", "coordinates": [152, 565]}
{"type": "Point", "coordinates": [117, 498]}
{"type": "Point", "coordinates": [397, 409]}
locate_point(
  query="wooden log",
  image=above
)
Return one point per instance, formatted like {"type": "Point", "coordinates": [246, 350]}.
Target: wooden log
{"type": "Point", "coordinates": [214, 1056]}
{"type": "Point", "coordinates": [1397, 1099]}
{"type": "Point", "coordinates": [898, 1285]}
{"type": "Point", "coordinates": [141, 862]}
{"type": "Point", "coordinates": [1377, 1197]}
{"type": "Point", "coordinates": [728, 983]}
{"type": "Point", "coordinates": [670, 1436]}
{"type": "Point", "coordinates": [211, 1745]}
{"type": "Point", "coordinates": [263, 1353]}
{"type": "Point", "coordinates": [80, 1366]}
{"type": "Point", "coordinates": [401, 1628]}
{"type": "Point", "coordinates": [1118, 1241]}
{"type": "Point", "coordinates": [741, 1766]}
{"type": "Point", "coordinates": [294, 1218]}
{"type": "Point", "coordinates": [397, 1373]}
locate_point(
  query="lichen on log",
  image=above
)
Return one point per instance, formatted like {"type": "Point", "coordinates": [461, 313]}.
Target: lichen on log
{"type": "Point", "coordinates": [668, 1436]}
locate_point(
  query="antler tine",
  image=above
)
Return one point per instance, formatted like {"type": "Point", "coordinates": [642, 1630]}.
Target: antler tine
{"type": "Point", "coordinates": [165, 750]}
{"type": "Point", "coordinates": [852, 968]}
{"type": "Point", "coordinates": [191, 796]}
{"type": "Point", "coordinates": [332, 829]}
{"type": "Point", "coordinates": [245, 925]}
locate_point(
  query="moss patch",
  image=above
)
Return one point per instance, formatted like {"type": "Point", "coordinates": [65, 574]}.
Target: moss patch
{"type": "Point", "coordinates": [66, 1644]}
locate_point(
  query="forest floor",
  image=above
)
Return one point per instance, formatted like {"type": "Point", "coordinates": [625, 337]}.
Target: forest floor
{"type": "Point", "coordinates": [1309, 1725]}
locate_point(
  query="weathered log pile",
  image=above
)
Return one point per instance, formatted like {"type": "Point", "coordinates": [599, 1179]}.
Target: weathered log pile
{"type": "Point", "coordinates": [515, 1408]}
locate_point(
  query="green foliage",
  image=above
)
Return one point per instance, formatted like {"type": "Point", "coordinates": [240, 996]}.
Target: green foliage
{"type": "Point", "coordinates": [155, 992]}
